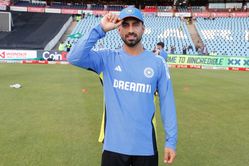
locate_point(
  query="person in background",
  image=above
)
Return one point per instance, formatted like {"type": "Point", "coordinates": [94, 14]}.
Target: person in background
{"type": "Point", "coordinates": [172, 49]}
{"type": "Point", "coordinates": [184, 50]}
{"type": "Point", "coordinates": [204, 50]}
{"type": "Point", "coordinates": [131, 75]}
{"type": "Point", "coordinates": [78, 18]}
{"type": "Point", "coordinates": [190, 47]}
{"type": "Point", "coordinates": [68, 46]}
{"type": "Point", "coordinates": [61, 46]}
{"type": "Point", "coordinates": [159, 50]}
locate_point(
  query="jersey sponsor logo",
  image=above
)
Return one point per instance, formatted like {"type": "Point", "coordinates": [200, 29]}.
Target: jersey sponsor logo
{"type": "Point", "coordinates": [132, 86]}
{"type": "Point", "coordinates": [148, 72]}
{"type": "Point", "coordinates": [118, 68]}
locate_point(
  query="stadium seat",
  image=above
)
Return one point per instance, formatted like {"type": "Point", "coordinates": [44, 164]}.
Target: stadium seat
{"type": "Point", "coordinates": [170, 30]}
{"type": "Point", "coordinates": [227, 36]}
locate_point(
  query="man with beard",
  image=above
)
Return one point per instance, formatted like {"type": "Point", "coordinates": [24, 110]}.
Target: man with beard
{"type": "Point", "coordinates": [131, 75]}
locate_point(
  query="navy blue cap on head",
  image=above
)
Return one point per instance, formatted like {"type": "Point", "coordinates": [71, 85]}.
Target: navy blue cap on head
{"type": "Point", "coordinates": [131, 12]}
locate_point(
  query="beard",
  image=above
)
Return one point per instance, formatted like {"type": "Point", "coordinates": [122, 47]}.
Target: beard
{"type": "Point", "coordinates": [131, 42]}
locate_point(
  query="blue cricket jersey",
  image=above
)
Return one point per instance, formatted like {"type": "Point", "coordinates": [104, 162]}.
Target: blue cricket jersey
{"type": "Point", "coordinates": [129, 86]}
{"type": "Point", "coordinates": [163, 54]}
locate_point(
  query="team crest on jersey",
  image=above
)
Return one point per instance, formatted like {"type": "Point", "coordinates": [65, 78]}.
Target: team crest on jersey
{"type": "Point", "coordinates": [148, 72]}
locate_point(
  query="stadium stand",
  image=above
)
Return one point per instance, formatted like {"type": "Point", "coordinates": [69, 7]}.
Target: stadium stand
{"type": "Point", "coordinates": [226, 36]}
{"type": "Point", "coordinates": [164, 8]}
{"type": "Point", "coordinates": [26, 3]}
{"type": "Point", "coordinates": [182, 9]}
{"type": "Point", "coordinates": [197, 8]}
{"type": "Point", "coordinates": [170, 30]}
{"type": "Point", "coordinates": [34, 31]}
{"type": "Point", "coordinates": [61, 5]}
{"type": "Point", "coordinates": [97, 7]}
{"type": "Point", "coordinates": [64, 5]}
{"type": "Point", "coordinates": [115, 7]}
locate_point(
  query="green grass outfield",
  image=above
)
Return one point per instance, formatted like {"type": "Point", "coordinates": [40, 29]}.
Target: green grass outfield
{"type": "Point", "coordinates": [51, 122]}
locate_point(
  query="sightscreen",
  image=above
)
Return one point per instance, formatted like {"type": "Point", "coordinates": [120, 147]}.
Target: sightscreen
{"type": "Point", "coordinates": [5, 21]}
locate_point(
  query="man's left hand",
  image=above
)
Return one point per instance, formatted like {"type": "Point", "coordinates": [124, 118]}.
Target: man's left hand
{"type": "Point", "coordinates": [169, 155]}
